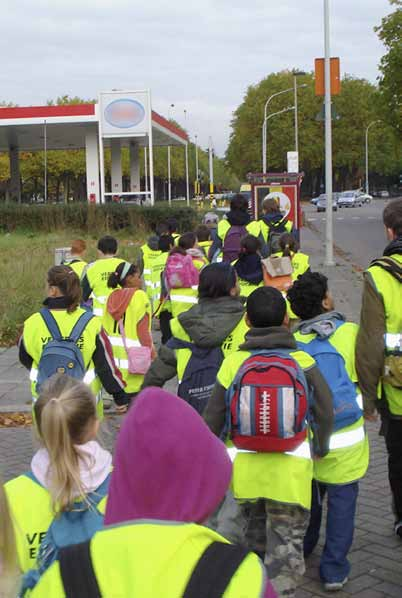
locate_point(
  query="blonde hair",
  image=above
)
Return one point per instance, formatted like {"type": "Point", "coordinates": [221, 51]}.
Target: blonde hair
{"type": "Point", "coordinates": [64, 413]}
{"type": "Point", "coordinates": [8, 552]}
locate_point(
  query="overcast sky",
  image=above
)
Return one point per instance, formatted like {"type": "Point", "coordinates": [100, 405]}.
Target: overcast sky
{"type": "Point", "coordinates": [200, 56]}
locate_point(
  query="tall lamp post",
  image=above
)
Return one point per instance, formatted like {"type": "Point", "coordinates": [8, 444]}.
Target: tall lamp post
{"type": "Point", "coordinates": [329, 245]}
{"type": "Point", "coordinates": [196, 165]}
{"type": "Point", "coordinates": [264, 127]}
{"type": "Point", "coordinates": [367, 167]}
{"type": "Point", "coordinates": [295, 75]}
{"type": "Point", "coordinates": [169, 168]}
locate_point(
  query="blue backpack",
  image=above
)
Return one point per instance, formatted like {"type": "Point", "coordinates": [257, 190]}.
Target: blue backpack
{"type": "Point", "coordinates": [332, 366]}
{"type": "Point", "coordinates": [62, 355]}
{"type": "Point", "coordinates": [200, 374]}
{"type": "Point", "coordinates": [70, 527]}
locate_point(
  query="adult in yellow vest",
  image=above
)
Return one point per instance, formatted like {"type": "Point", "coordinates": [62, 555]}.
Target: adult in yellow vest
{"type": "Point", "coordinates": [94, 281]}
{"type": "Point", "coordinates": [216, 322]}
{"type": "Point", "coordinates": [204, 240]}
{"type": "Point", "coordinates": [9, 571]}
{"type": "Point", "coordinates": [379, 348]}
{"type": "Point", "coordinates": [272, 225]}
{"type": "Point", "coordinates": [63, 301]}
{"type": "Point", "coordinates": [130, 308]}
{"type": "Point", "coordinates": [69, 466]}
{"type": "Point", "coordinates": [169, 475]}
{"type": "Point", "coordinates": [248, 267]}
{"type": "Point", "coordinates": [321, 331]}
{"type": "Point", "coordinates": [149, 253]}
{"type": "Point", "coordinates": [274, 489]}
{"type": "Point", "coordinates": [225, 247]}
{"type": "Point", "coordinates": [76, 260]}
{"type": "Point", "coordinates": [183, 298]}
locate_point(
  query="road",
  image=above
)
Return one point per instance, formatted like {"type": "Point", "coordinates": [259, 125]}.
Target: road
{"type": "Point", "coordinates": [358, 232]}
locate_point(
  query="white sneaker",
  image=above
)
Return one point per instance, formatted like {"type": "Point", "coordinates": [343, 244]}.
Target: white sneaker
{"type": "Point", "coordinates": [335, 586]}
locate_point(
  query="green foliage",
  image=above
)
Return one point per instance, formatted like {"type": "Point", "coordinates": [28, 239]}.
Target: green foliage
{"type": "Point", "coordinates": [390, 33]}
{"type": "Point", "coordinates": [94, 220]}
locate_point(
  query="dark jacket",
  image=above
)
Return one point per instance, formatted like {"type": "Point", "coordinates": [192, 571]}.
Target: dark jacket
{"type": "Point", "coordinates": [207, 324]}
{"type": "Point", "coordinates": [370, 339]}
{"type": "Point", "coordinates": [279, 337]}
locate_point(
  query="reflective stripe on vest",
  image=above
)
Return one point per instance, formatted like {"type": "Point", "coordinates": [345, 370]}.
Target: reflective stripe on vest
{"type": "Point", "coordinates": [97, 311]}
{"type": "Point", "coordinates": [147, 271]}
{"type": "Point", "coordinates": [346, 439]}
{"type": "Point", "coordinates": [183, 299]}
{"type": "Point", "coordinates": [102, 299]}
{"type": "Point", "coordinates": [122, 364]}
{"type": "Point", "coordinates": [89, 377]}
{"type": "Point", "coordinates": [393, 341]}
{"type": "Point", "coordinates": [117, 341]}
{"type": "Point", "coordinates": [359, 401]}
{"type": "Point", "coordinates": [302, 452]}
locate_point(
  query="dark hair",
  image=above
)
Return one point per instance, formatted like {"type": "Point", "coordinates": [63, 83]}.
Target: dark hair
{"type": "Point", "coordinates": [172, 224]}
{"type": "Point", "coordinates": [119, 276]}
{"type": "Point", "coordinates": [107, 245]}
{"type": "Point", "coordinates": [216, 280]}
{"type": "Point", "coordinates": [187, 241]}
{"type": "Point", "coordinates": [266, 307]}
{"type": "Point", "coordinates": [288, 244]}
{"type": "Point", "coordinates": [250, 245]}
{"type": "Point", "coordinates": [270, 205]}
{"type": "Point", "coordinates": [239, 202]}
{"type": "Point", "coordinates": [162, 229]}
{"type": "Point", "coordinates": [307, 294]}
{"type": "Point", "coordinates": [166, 242]}
{"type": "Point", "coordinates": [67, 281]}
{"type": "Point", "coordinates": [202, 232]}
{"type": "Point", "coordinates": [392, 216]}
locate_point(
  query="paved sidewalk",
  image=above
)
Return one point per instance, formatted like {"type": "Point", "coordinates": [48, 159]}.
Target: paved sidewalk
{"type": "Point", "coordinates": [376, 554]}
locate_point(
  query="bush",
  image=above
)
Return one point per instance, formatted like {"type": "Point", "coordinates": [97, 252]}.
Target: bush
{"type": "Point", "coordinates": [92, 219]}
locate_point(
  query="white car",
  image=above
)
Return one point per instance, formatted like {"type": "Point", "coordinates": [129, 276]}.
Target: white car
{"type": "Point", "coordinates": [365, 197]}
{"type": "Point", "coordinates": [349, 199]}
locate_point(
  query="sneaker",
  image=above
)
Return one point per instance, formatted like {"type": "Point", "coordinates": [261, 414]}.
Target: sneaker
{"type": "Point", "coordinates": [398, 529]}
{"type": "Point", "coordinates": [335, 586]}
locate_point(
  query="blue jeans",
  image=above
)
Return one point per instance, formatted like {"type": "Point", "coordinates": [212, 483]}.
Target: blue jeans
{"type": "Point", "coordinates": [334, 565]}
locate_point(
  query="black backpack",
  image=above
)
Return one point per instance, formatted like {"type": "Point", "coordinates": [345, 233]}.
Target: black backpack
{"type": "Point", "coordinates": [275, 231]}
{"type": "Point", "coordinates": [210, 578]}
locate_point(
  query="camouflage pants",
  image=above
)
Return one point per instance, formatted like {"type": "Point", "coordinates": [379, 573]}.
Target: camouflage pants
{"type": "Point", "coordinates": [277, 530]}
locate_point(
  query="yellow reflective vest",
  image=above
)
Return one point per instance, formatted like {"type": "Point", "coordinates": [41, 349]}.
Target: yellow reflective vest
{"type": "Point", "coordinates": [230, 344]}
{"type": "Point", "coordinates": [98, 274]}
{"type": "Point", "coordinates": [76, 264]}
{"type": "Point", "coordinates": [282, 477]}
{"type": "Point", "coordinates": [32, 514]}
{"type": "Point", "coordinates": [205, 246]}
{"type": "Point", "coordinates": [154, 559]}
{"type": "Point", "coordinates": [348, 456]}
{"type": "Point", "coordinates": [138, 307]}
{"type": "Point", "coordinates": [36, 335]}
{"type": "Point", "coordinates": [390, 291]}
{"type": "Point", "coordinates": [151, 280]}
{"type": "Point", "coordinates": [264, 228]}
{"type": "Point", "coordinates": [300, 263]}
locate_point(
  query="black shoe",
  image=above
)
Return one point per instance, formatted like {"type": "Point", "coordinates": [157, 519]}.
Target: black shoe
{"type": "Point", "coordinates": [398, 529]}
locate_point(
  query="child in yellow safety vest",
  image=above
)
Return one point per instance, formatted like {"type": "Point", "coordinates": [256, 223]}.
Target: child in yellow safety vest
{"type": "Point", "coordinates": [272, 485]}
{"type": "Point", "coordinates": [248, 266]}
{"type": "Point", "coordinates": [289, 247]}
{"type": "Point", "coordinates": [65, 474]}
{"type": "Point", "coordinates": [149, 253]}
{"type": "Point", "coordinates": [162, 308]}
{"type": "Point", "coordinates": [127, 307]}
{"type": "Point", "coordinates": [9, 573]}
{"type": "Point", "coordinates": [324, 334]}
{"type": "Point", "coordinates": [76, 261]}
{"type": "Point", "coordinates": [170, 473]}
{"type": "Point", "coordinates": [204, 240]}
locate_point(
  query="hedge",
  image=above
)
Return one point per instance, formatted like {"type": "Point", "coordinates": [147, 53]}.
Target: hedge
{"type": "Point", "coordinates": [92, 219]}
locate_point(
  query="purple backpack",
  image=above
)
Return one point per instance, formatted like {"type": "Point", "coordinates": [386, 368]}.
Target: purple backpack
{"type": "Point", "coordinates": [231, 244]}
{"type": "Point", "coordinates": [180, 272]}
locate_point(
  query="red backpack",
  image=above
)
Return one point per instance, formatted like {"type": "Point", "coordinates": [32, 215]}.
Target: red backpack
{"type": "Point", "coordinates": [268, 403]}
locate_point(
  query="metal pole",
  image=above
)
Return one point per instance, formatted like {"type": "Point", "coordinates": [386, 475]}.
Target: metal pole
{"type": "Point", "coordinates": [151, 151]}
{"type": "Point", "coordinates": [270, 116]}
{"type": "Point", "coordinates": [329, 245]}
{"type": "Point", "coordinates": [187, 179]}
{"type": "Point", "coordinates": [146, 168]}
{"type": "Point", "coordinates": [45, 157]}
{"type": "Point", "coordinates": [367, 169]}
{"type": "Point", "coordinates": [169, 179]}
{"type": "Point", "coordinates": [211, 166]}
{"type": "Point", "coordinates": [196, 165]}
{"type": "Point", "coordinates": [296, 116]}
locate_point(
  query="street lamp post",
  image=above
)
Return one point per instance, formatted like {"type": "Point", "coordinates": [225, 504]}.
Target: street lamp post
{"type": "Point", "coordinates": [169, 177]}
{"type": "Point", "coordinates": [295, 86]}
{"type": "Point", "coordinates": [329, 245]}
{"type": "Point", "coordinates": [367, 170]}
{"type": "Point", "coordinates": [45, 157]}
{"type": "Point", "coordinates": [196, 165]}
{"type": "Point", "coordinates": [264, 127]}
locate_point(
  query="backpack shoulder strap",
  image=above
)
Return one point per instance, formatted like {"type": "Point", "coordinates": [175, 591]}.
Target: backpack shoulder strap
{"type": "Point", "coordinates": [51, 323]}
{"type": "Point", "coordinates": [31, 476]}
{"type": "Point", "coordinates": [97, 495]}
{"type": "Point", "coordinates": [178, 343]}
{"type": "Point", "coordinates": [77, 572]}
{"type": "Point", "coordinates": [214, 570]}
{"type": "Point", "coordinates": [390, 266]}
{"type": "Point", "coordinates": [80, 325]}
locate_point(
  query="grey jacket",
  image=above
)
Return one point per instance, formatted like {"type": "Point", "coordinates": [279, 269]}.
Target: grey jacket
{"type": "Point", "coordinates": [279, 337]}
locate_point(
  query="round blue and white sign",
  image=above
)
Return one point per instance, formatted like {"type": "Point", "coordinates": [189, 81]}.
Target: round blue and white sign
{"type": "Point", "coordinates": [124, 113]}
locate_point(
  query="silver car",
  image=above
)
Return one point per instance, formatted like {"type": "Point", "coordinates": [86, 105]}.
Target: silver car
{"type": "Point", "coordinates": [322, 203]}
{"type": "Point", "coordinates": [349, 199]}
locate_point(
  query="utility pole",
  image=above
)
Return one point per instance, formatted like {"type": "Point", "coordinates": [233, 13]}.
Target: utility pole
{"type": "Point", "coordinates": [211, 166]}
{"type": "Point", "coordinates": [329, 241]}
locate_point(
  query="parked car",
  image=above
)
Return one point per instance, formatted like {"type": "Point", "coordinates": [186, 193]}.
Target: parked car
{"type": "Point", "coordinates": [384, 194]}
{"type": "Point", "coordinates": [322, 203]}
{"type": "Point", "coordinates": [314, 200]}
{"type": "Point", "coordinates": [349, 199]}
{"type": "Point", "coordinates": [365, 197]}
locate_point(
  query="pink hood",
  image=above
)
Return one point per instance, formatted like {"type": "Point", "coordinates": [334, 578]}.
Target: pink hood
{"type": "Point", "coordinates": [167, 465]}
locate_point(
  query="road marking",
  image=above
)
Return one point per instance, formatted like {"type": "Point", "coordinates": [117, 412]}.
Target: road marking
{"type": "Point", "coordinates": [323, 219]}
{"type": "Point", "coordinates": [372, 217]}
{"type": "Point", "coordinates": [355, 217]}
{"type": "Point", "coordinates": [311, 219]}
{"type": "Point", "coordinates": [341, 218]}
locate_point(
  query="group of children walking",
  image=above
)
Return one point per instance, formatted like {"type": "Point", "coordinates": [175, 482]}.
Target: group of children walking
{"type": "Point", "coordinates": [284, 405]}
